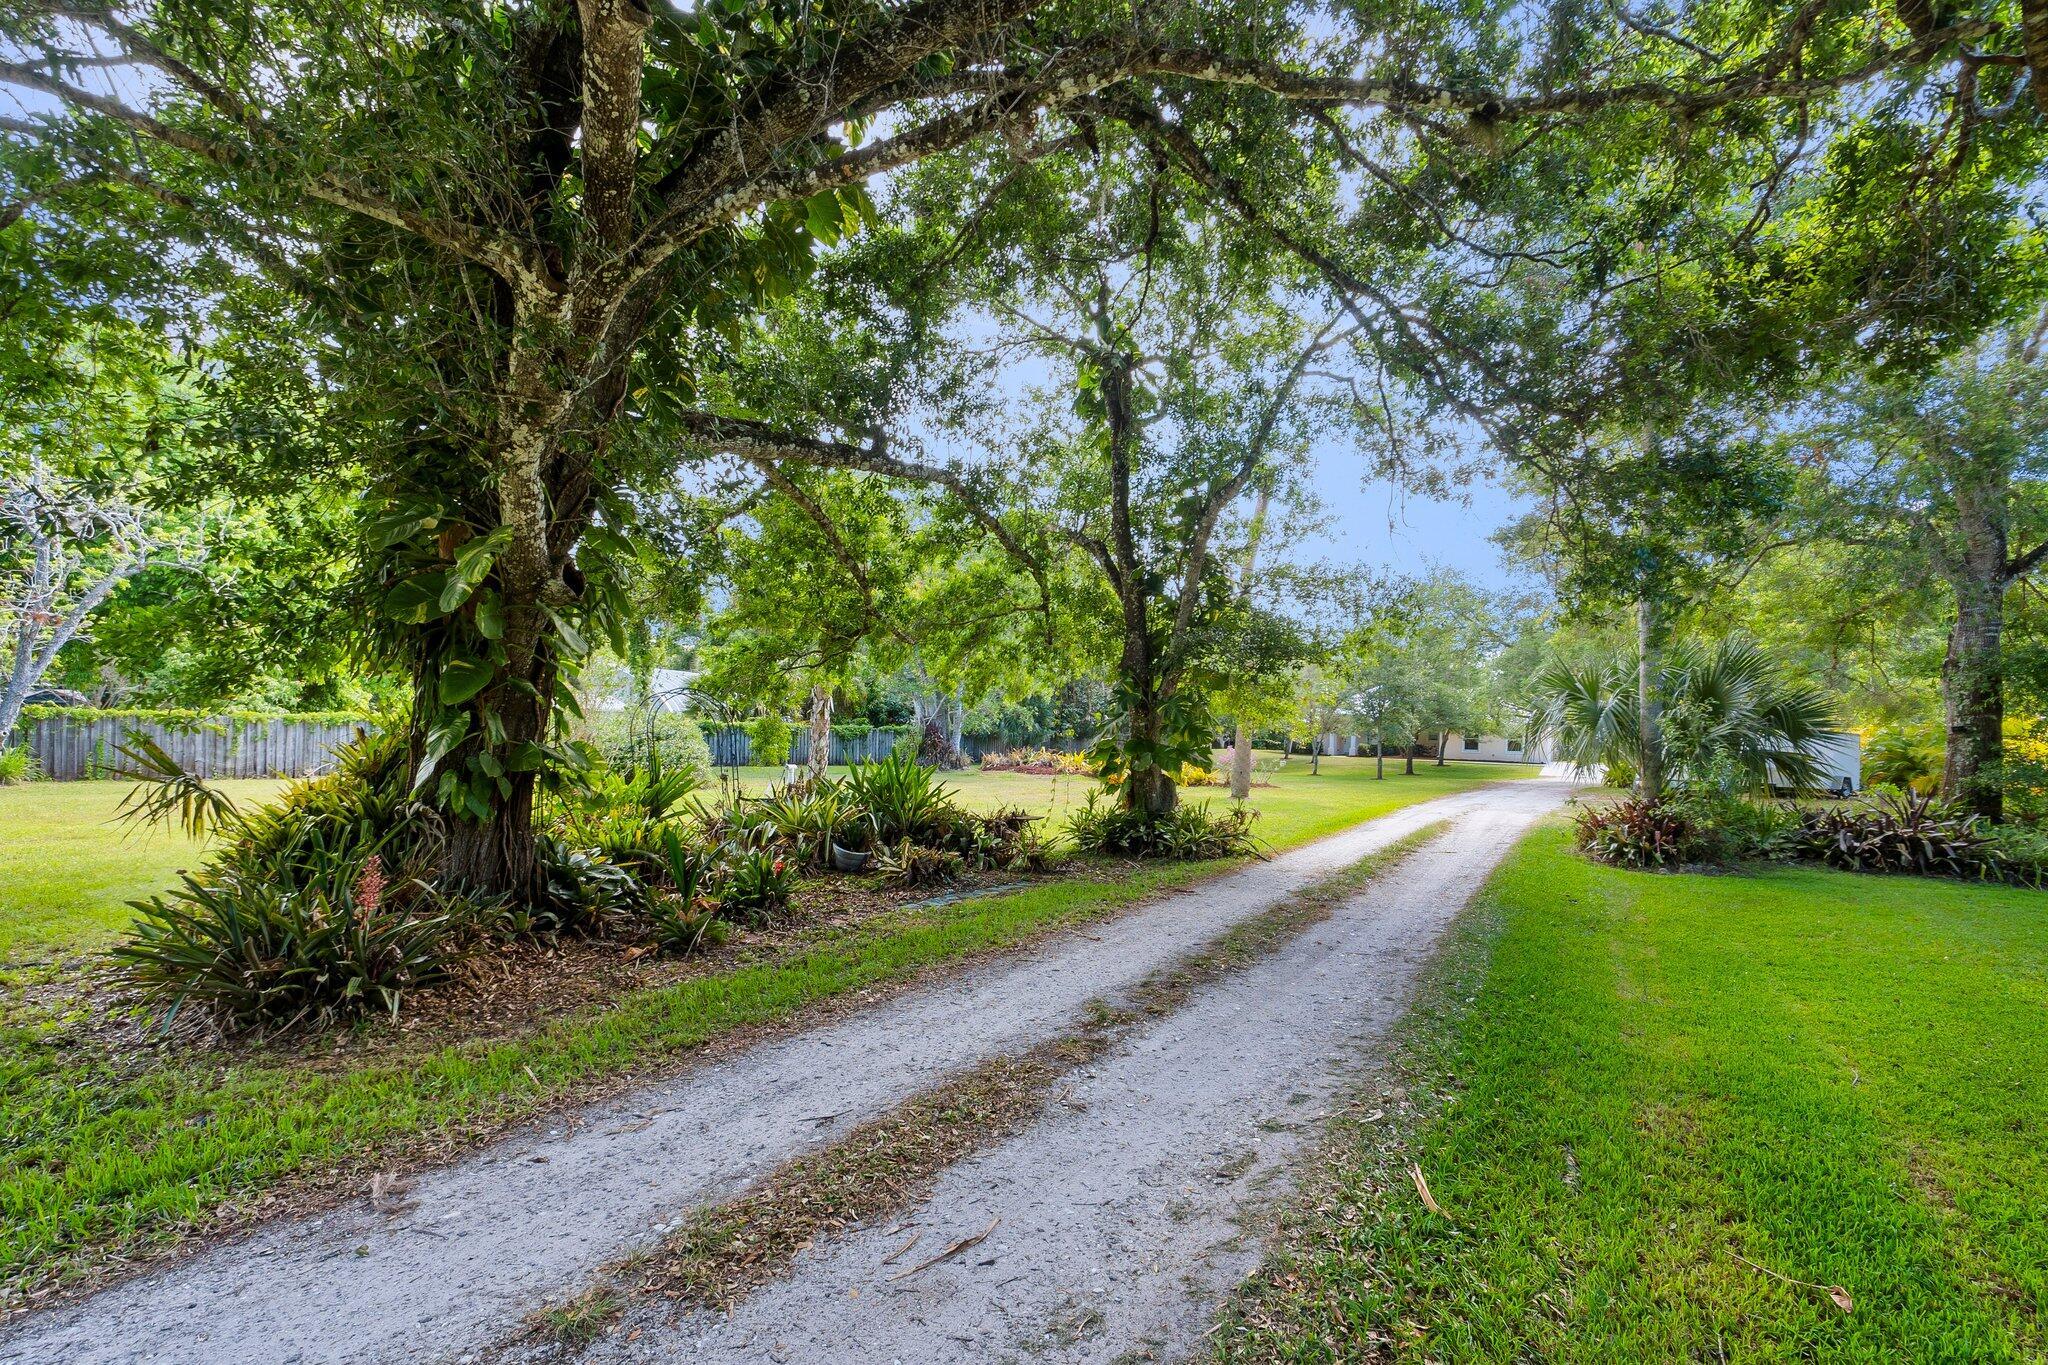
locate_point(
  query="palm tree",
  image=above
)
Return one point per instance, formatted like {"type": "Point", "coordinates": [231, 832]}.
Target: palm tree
{"type": "Point", "coordinates": [1731, 719]}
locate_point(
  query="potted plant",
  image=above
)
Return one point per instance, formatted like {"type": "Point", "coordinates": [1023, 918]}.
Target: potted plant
{"type": "Point", "coordinates": [853, 844]}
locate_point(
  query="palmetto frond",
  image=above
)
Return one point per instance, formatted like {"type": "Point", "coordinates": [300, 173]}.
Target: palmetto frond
{"type": "Point", "coordinates": [1586, 710]}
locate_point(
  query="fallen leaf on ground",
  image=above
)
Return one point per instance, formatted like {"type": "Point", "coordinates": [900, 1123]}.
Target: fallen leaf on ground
{"type": "Point", "coordinates": [387, 1191]}
{"type": "Point", "coordinates": [1836, 1294]}
{"type": "Point", "coordinates": [898, 1252]}
{"type": "Point", "coordinates": [1422, 1188]}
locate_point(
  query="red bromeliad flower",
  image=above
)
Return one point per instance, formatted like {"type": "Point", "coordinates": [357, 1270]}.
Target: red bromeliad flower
{"type": "Point", "coordinates": [370, 886]}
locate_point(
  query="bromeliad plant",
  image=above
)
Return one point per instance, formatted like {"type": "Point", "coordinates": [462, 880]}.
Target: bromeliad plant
{"type": "Point", "coordinates": [1637, 832]}
{"type": "Point", "coordinates": [1889, 830]}
{"type": "Point", "coordinates": [1189, 833]}
{"type": "Point", "coordinates": [754, 885]}
{"type": "Point", "coordinates": [903, 798]}
{"type": "Point", "coordinates": [808, 820]}
{"type": "Point", "coordinates": [684, 914]}
{"type": "Point", "coordinates": [907, 864]}
{"type": "Point", "coordinates": [263, 955]}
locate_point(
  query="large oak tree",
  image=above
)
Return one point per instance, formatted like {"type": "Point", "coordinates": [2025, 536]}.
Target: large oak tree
{"type": "Point", "coordinates": [504, 230]}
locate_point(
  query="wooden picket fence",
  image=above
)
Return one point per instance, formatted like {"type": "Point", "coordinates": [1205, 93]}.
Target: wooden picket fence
{"type": "Point", "coordinates": [70, 748]}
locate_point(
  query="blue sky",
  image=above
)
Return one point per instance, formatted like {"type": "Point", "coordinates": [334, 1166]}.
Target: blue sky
{"type": "Point", "coordinates": [1375, 522]}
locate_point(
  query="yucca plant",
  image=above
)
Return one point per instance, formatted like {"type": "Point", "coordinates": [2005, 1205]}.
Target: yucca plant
{"type": "Point", "coordinates": [903, 798]}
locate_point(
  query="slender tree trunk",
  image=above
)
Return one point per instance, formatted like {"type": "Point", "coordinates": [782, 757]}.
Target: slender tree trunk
{"type": "Point", "coordinates": [1973, 699]}
{"type": "Point", "coordinates": [821, 730]}
{"type": "Point", "coordinates": [1649, 705]}
{"type": "Point", "coordinates": [1241, 763]}
{"type": "Point", "coordinates": [1315, 756]}
{"type": "Point", "coordinates": [1408, 766]}
{"type": "Point", "coordinates": [1241, 738]}
{"type": "Point", "coordinates": [1379, 760]}
{"type": "Point", "coordinates": [1442, 743]}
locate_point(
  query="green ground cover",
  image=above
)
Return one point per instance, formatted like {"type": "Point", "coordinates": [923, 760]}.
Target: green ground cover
{"type": "Point", "coordinates": [1840, 1078]}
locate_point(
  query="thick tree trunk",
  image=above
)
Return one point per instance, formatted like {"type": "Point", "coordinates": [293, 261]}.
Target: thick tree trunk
{"type": "Point", "coordinates": [1973, 673]}
{"type": "Point", "coordinates": [1649, 705]}
{"type": "Point", "coordinates": [821, 730]}
{"type": "Point", "coordinates": [1241, 763]}
{"type": "Point", "coordinates": [496, 855]}
{"type": "Point", "coordinates": [1408, 766]}
{"type": "Point", "coordinates": [1149, 791]}
{"type": "Point", "coordinates": [1442, 738]}
{"type": "Point", "coordinates": [1973, 699]}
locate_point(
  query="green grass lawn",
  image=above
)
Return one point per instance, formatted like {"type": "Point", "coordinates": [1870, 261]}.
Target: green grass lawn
{"type": "Point", "coordinates": [115, 1153]}
{"type": "Point", "coordinates": [1838, 1077]}
{"type": "Point", "coordinates": [68, 871]}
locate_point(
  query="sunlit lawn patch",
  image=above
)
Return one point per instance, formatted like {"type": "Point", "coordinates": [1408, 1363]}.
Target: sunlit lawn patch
{"type": "Point", "coordinates": [1840, 1078]}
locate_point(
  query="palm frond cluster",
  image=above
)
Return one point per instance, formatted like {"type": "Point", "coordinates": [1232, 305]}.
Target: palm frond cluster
{"type": "Point", "coordinates": [1731, 719]}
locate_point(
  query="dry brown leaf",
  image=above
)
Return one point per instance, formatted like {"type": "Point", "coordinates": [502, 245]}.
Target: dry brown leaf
{"type": "Point", "coordinates": [387, 1191]}
{"type": "Point", "coordinates": [1422, 1188]}
{"type": "Point", "coordinates": [897, 1254]}
{"type": "Point", "coordinates": [953, 1250]}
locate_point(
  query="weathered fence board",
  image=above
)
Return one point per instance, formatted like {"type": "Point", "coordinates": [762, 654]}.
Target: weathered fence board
{"type": "Point", "coordinates": [68, 748]}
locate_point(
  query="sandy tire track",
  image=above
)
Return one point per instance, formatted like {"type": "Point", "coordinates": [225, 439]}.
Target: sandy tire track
{"type": "Point", "coordinates": [1120, 1212]}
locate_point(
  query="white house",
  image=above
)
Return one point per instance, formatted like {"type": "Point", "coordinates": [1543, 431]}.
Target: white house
{"type": "Point", "coordinates": [1495, 748]}
{"type": "Point", "coordinates": [1478, 748]}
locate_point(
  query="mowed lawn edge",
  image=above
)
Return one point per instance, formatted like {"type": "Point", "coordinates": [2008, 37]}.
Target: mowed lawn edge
{"type": "Point", "coordinates": [1629, 1091]}
{"type": "Point", "coordinates": [112, 1160]}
